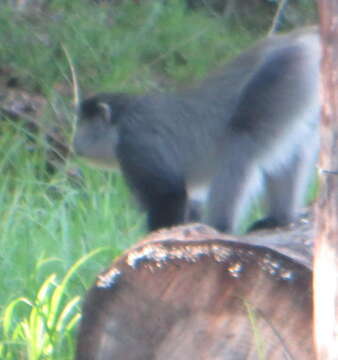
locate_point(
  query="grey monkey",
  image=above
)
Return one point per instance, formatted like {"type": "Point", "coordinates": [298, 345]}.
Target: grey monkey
{"type": "Point", "coordinates": [254, 123]}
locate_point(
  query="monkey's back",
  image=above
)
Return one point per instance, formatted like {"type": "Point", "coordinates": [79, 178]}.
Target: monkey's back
{"type": "Point", "coordinates": [261, 96]}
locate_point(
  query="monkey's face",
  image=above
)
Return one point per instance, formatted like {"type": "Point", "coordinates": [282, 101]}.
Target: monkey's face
{"type": "Point", "coordinates": [96, 139]}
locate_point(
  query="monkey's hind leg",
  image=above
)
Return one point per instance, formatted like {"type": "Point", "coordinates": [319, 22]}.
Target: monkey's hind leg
{"type": "Point", "coordinates": [286, 188]}
{"type": "Point", "coordinates": [232, 189]}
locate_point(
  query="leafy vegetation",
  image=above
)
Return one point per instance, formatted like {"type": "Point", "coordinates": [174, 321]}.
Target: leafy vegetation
{"type": "Point", "coordinates": [127, 46]}
{"type": "Point", "coordinates": [51, 222]}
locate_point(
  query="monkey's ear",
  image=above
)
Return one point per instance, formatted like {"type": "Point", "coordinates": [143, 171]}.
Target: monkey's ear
{"type": "Point", "coordinates": [105, 112]}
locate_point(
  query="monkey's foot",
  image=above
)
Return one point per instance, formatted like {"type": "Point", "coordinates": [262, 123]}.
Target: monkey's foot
{"type": "Point", "coordinates": [268, 223]}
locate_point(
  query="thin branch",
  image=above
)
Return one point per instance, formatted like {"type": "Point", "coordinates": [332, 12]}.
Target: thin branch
{"type": "Point", "coordinates": [277, 18]}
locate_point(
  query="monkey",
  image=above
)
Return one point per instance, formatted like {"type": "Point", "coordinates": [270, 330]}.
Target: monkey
{"type": "Point", "coordinates": [251, 126]}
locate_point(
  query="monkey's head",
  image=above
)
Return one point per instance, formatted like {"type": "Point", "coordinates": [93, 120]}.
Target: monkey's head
{"type": "Point", "coordinates": [96, 134]}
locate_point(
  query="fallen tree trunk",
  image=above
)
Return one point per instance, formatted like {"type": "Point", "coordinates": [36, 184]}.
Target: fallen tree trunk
{"type": "Point", "coordinates": [191, 292]}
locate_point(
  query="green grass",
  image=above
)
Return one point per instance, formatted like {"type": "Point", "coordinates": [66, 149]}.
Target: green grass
{"type": "Point", "coordinates": [129, 46]}
{"type": "Point", "coordinates": [49, 223]}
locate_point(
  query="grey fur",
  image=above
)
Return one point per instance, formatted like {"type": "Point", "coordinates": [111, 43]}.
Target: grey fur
{"type": "Point", "coordinates": [255, 121]}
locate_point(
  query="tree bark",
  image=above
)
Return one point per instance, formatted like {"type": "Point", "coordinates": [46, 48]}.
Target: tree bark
{"type": "Point", "coordinates": [190, 292]}
{"type": "Point", "coordinates": [326, 215]}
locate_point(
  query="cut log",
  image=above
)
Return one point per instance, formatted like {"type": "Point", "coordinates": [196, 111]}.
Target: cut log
{"type": "Point", "coordinates": [192, 293]}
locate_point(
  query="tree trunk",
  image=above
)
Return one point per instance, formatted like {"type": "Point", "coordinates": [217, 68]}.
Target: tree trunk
{"type": "Point", "coordinates": [326, 222]}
